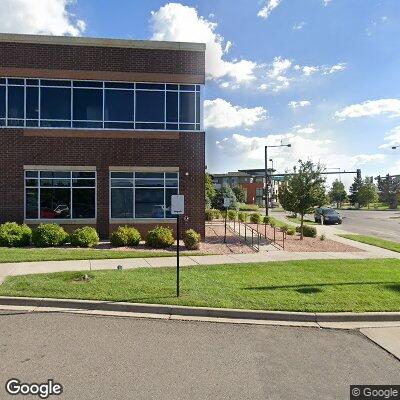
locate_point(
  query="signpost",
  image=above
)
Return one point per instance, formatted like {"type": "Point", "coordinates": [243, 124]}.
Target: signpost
{"type": "Point", "coordinates": [178, 209]}
{"type": "Point", "coordinates": [227, 203]}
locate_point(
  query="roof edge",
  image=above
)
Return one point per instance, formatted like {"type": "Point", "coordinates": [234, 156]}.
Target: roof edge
{"type": "Point", "coordinates": [100, 42]}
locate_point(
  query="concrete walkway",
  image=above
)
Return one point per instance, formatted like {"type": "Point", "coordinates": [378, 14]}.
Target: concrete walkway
{"type": "Point", "coordinates": [365, 251]}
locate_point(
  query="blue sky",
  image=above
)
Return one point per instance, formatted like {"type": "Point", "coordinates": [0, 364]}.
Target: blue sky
{"type": "Point", "coordinates": [321, 74]}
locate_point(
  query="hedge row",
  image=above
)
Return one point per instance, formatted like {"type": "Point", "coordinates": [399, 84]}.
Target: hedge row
{"type": "Point", "coordinates": [51, 235]}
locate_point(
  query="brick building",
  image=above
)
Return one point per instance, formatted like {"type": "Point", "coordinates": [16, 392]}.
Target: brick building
{"type": "Point", "coordinates": [100, 132]}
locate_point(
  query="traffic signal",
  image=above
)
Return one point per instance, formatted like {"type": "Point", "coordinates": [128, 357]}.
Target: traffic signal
{"type": "Point", "coordinates": [358, 173]}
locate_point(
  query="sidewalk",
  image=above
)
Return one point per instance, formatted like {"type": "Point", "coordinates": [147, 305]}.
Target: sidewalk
{"type": "Point", "coordinates": [366, 251]}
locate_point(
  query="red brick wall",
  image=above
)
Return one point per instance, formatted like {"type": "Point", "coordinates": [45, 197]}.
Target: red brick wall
{"type": "Point", "coordinates": [187, 153]}
{"type": "Point", "coordinates": [251, 191]}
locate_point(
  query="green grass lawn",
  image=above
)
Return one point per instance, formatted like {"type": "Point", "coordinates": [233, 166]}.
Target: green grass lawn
{"type": "Point", "coordinates": [307, 285]}
{"type": "Point", "coordinates": [385, 244]}
{"type": "Point", "coordinates": [9, 255]}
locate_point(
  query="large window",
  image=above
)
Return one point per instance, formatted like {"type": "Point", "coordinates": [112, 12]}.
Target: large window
{"type": "Point", "coordinates": [56, 103]}
{"type": "Point", "coordinates": [142, 194]}
{"type": "Point", "coordinates": [60, 195]}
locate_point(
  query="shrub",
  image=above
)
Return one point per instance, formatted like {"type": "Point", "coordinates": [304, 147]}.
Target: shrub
{"type": "Point", "coordinates": [308, 231]}
{"type": "Point", "coordinates": [272, 222]}
{"type": "Point", "coordinates": [125, 236]}
{"type": "Point", "coordinates": [255, 218]}
{"type": "Point", "coordinates": [248, 207]}
{"type": "Point", "coordinates": [232, 214]}
{"type": "Point", "coordinates": [266, 219]}
{"type": "Point", "coordinates": [14, 235]}
{"type": "Point", "coordinates": [209, 215]}
{"type": "Point", "coordinates": [216, 213]}
{"type": "Point", "coordinates": [191, 239]}
{"type": "Point", "coordinates": [285, 228]}
{"type": "Point", "coordinates": [47, 235]}
{"type": "Point", "coordinates": [291, 231]}
{"type": "Point", "coordinates": [160, 237]}
{"type": "Point", "coordinates": [322, 237]}
{"type": "Point", "coordinates": [84, 237]}
{"type": "Point", "coordinates": [242, 217]}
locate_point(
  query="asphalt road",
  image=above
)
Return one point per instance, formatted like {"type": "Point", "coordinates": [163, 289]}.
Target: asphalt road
{"type": "Point", "coordinates": [126, 358]}
{"type": "Point", "coordinates": [383, 224]}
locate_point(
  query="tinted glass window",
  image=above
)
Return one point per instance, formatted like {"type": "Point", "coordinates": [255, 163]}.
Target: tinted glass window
{"type": "Point", "coordinates": [122, 203]}
{"type": "Point", "coordinates": [198, 108]}
{"type": "Point", "coordinates": [2, 101]}
{"type": "Point", "coordinates": [172, 106]}
{"type": "Point", "coordinates": [168, 194]}
{"type": "Point", "coordinates": [149, 203]}
{"type": "Point", "coordinates": [119, 105]}
{"type": "Point", "coordinates": [88, 104]}
{"type": "Point", "coordinates": [31, 203]}
{"type": "Point", "coordinates": [150, 106]}
{"type": "Point", "coordinates": [55, 103]}
{"type": "Point", "coordinates": [55, 203]}
{"type": "Point", "coordinates": [83, 201]}
{"type": "Point", "coordinates": [32, 102]}
{"type": "Point", "coordinates": [15, 102]}
{"type": "Point", "coordinates": [187, 104]}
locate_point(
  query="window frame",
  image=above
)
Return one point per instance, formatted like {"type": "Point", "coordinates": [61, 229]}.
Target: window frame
{"type": "Point", "coordinates": [39, 123]}
{"type": "Point", "coordinates": [70, 187]}
{"type": "Point", "coordinates": [134, 187]}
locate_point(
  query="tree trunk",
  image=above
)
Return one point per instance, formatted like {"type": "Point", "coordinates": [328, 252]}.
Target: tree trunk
{"type": "Point", "coordinates": [301, 226]}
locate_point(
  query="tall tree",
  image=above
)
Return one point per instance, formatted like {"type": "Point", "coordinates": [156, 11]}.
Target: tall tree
{"type": "Point", "coordinates": [354, 189]}
{"type": "Point", "coordinates": [367, 193]}
{"type": "Point", "coordinates": [218, 200]}
{"type": "Point", "coordinates": [337, 193]}
{"type": "Point", "coordinates": [210, 190]}
{"type": "Point", "coordinates": [240, 194]}
{"type": "Point", "coordinates": [389, 188]}
{"type": "Point", "coordinates": [304, 190]}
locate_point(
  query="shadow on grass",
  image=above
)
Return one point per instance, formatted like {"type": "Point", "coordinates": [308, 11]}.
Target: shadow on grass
{"type": "Point", "coordinates": [309, 290]}
{"type": "Point", "coordinates": [394, 287]}
{"type": "Point", "coordinates": [316, 287]}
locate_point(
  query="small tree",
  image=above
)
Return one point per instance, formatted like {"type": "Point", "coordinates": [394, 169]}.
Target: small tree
{"type": "Point", "coordinates": [337, 193]}
{"type": "Point", "coordinates": [210, 190]}
{"type": "Point", "coordinates": [240, 194]}
{"type": "Point", "coordinates": [218, 200]}
{"type": "Point", "coordinates": [354, 189]}
{"type": "Point", "coordinates": [389, 188]}
{"type": "Point", "coordinates": [304, 190]}
{"type": "Point", "coordinates": [367, 193]}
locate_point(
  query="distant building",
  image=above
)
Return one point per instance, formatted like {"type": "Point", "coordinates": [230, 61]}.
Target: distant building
{"type": "Point", "coordinates": [251, 180]}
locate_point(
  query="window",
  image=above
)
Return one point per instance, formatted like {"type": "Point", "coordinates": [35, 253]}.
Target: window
{"type": "Point", "coordinates": [55, 103]}
{"type": "Point", "coordinates": [142, 194]}
{"type": "Point", "coordinates": [60, 195]}
{"type": "Point", "coordinates": [55, 107]}
{"type": "Point", "coordinates": [88, 108]}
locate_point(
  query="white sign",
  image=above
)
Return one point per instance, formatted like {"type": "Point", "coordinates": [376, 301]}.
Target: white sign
{"type": "Point", "coordinates": [227, 202]}
{"type": "Point", "coordinates": [177, 204]}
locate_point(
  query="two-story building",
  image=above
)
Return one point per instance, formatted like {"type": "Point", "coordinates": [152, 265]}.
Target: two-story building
{"type": "Point", "coordinates": [100, 132]}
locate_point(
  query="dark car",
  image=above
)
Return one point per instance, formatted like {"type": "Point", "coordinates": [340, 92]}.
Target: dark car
{"type": "Point", "coordinates": [330, 216]}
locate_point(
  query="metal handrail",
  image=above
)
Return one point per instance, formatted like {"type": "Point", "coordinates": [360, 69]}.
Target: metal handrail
{"type": "Point", "coordinates": [255, 235]}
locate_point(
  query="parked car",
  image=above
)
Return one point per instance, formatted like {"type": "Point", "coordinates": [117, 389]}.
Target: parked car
{"type": "Point", "coordinates": [330, 216]}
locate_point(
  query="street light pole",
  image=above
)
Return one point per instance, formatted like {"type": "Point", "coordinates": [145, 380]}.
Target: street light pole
{"type": "Point", "coordinates": [266, 176]}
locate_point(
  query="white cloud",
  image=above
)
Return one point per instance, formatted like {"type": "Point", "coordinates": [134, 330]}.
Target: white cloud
{"type": "Point", "coordinates": [299, 26]}
{"type": "Point", "coordinates": [335, 68]}
{"type": "Point", "coordinates": [361, 159]}
{"type": "Point", "coordinates": [219, 113]}
{"type": "Point", "coordinates": [326, 2]}
{"type": "Point", "coordinates": [305, 130]}
{"type": "Point", "coordinates": [250, 150]}
{"type": "Point", "coordinates": [392, 138]}
{"type": "Point", "coordinates": [177, 22]}
{"type": "Point", "coordinates": [310, 69]}
{"type": "Point", "coordinates": [301, 103]}
{"type": "Point", "coordinates": [390, 107]}
{"type": "Point", "coordinates": [49, 17]}
{"type": "Point", "coordinates": [269, 6]}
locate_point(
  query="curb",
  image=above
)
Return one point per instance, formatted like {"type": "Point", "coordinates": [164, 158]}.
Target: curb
{"type": "Point", "coordinates": [161, 309]}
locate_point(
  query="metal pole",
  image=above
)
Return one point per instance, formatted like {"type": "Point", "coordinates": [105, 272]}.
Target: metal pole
{"type": "Point", "coordinates": [177, 257]}
{"type": "Point", "coordinates": [226, 216]}
{"type": "Point", "coordinates": [266, 180]}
